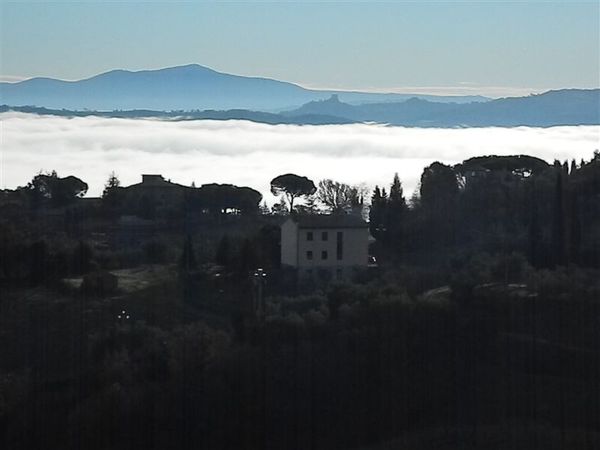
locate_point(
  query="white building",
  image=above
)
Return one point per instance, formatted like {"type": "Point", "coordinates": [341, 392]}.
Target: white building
{"type": "Point", "coordinates": [336, 243]}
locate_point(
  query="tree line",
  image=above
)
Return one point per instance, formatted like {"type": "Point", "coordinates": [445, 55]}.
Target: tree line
{"type": "Point", "coordinates": [550, 213]}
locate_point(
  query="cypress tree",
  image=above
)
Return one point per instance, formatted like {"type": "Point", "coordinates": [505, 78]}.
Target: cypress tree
{"type": "Point", "coordinates": [377, 213]}
{"type": "Point", "coordinates": [395, 212]}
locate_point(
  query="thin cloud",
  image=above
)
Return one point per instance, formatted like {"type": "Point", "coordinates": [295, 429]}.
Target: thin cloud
{"type": "Point", "coordinates": [251, 154]}
{"type": "Point", "coordinates": [12, 78]}
{"type": "Point", "coordinates": [463, 88]}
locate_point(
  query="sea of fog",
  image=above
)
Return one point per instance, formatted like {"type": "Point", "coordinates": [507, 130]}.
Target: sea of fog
{"type": "Point", "coordinates": [251, 154]}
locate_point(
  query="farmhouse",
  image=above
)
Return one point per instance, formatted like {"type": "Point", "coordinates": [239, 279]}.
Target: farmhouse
{"type": "Point", "coordinates": [156, 197]}
{"type": "Point", "coordinates": [313, 244]}
{"type": "Point", "coordinates": [154, 193]}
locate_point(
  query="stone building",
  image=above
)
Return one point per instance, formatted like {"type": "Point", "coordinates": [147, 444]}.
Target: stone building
{"type": "Point", "coordinates": [335, 244]}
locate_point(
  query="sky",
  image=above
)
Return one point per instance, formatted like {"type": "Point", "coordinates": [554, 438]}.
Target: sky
{"type": "Point", "coordinates": [451, 47]}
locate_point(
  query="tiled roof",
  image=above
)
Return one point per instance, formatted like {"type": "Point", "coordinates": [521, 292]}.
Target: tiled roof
{"type": "Point", "coordinates": [329, 221]}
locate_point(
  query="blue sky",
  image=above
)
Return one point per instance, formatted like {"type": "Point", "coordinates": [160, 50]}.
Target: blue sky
{"type": "Point", "coordinates": [493, 48]}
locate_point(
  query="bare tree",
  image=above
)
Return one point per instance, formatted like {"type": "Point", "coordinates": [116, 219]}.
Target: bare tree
{"type": "Point", "coordinates": [340, 197]}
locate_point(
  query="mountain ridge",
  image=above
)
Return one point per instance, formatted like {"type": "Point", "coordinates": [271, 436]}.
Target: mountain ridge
{"type": "Point", "coordinates": [186, 87]}
{"type": "Point", "coordinates": [556, 107]}
{"type": "Point", "coordinates": [552, 108]}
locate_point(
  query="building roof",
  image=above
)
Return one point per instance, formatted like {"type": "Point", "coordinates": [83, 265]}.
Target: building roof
{"type": "Point", "coordinates": [155, 181]}
{"type": "Point", "coordinates": [329, 221]}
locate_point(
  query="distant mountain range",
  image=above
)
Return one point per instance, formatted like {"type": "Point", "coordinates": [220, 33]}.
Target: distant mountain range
{"type": "Point", "coordinates": [561, 107]}
{"type": "Point", "coordinates": [191, 87]}
{"type": "Point", "coordinates": [231, 114]}
{"type": "Point", "coordinates": [552, 108]}
{"type": "Point", "coordinates": [197, 92]}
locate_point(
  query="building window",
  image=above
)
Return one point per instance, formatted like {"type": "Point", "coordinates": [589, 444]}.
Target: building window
{"type": "Point", "coordinates": [309, 254]}
{"type": "Point", "coordinates": [339, 274]}
{"type": "Point", "coordinates": [339, 249]}
{"type": "Point", "coordinates": [324, 236]}
{"type": "Point", "coordinates": [324, 254]}
{"type": "Point", "coordinates": [309, 235]}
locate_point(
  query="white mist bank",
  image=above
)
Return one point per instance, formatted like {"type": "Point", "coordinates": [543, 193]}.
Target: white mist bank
{"type": "Point", "coordinates": [251, 154]}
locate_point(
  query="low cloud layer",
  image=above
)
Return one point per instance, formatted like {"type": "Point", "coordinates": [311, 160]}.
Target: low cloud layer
{"type": "Point", "coordinates": [251, 154]}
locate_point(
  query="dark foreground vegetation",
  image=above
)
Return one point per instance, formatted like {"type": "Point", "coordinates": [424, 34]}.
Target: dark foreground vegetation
{"type": "Point", "coordinates": [480, 329]}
